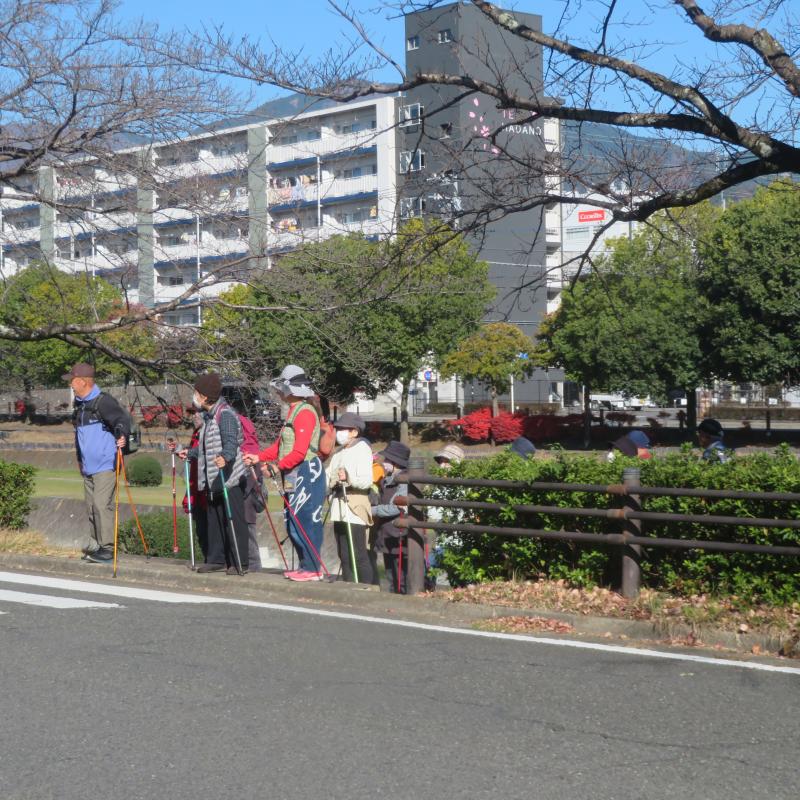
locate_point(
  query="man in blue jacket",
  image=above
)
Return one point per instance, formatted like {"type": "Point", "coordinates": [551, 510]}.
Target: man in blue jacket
{"type": "Point", "coordinates": [101, 426]}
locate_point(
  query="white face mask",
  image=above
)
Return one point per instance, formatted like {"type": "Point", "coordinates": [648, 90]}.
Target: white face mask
{"type": "Point", "coordinates": [196, 402]}
{"type": "Point", "coordinates": [388, 468]}
{"type": "Point", "coordinates": [342, 436]}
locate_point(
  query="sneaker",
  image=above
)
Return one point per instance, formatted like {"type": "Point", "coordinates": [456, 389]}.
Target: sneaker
{"type": "Point", "coordinates": [234, 571]}
{"type": "Point", "coordinates": [100, 556]}
{"type": "Point", "coordinates": [303, 576]}
{"type": "Point", "coordinates": [211, 568]}
{"type": "Point", "coordinates": [289, 572]}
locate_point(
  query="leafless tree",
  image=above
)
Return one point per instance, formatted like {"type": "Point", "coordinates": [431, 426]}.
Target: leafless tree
{"type": "Point", "coordinates": [673, 137]}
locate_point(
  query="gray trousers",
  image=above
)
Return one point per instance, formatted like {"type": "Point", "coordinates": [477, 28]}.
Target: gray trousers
{"type": "Point", "coordinates": [253, 550]}
{"type": "Point", "coordinates": [98, 492]}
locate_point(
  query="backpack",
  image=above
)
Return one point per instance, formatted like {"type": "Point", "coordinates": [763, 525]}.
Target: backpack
{"type": "Point", "coordinates": [250, 443]}
{"type": "Point", "coordinates": [135, 435]}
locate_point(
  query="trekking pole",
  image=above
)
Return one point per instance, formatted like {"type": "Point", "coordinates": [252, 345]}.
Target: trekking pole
{"type": "Point", "coordinates": [172, 440]}
{"type": "Point", "coordinates": [230, 521]}
{"type": "Point", "coordinates": [116, 508]}
{"type": "Point", "coordinates": [189, 506]}
{"type": "Point", "coordinates": [118, 433]}
{"type": "Point", "coordinates": [349, 532]}
{"type": "Point", "coordinates": [300, 527]}
{"type": "Point", "coordinates": [269, 517]}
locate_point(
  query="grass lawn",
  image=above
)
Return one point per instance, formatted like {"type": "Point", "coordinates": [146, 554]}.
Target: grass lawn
{"type": "Point", "coordinates": [68, 483]}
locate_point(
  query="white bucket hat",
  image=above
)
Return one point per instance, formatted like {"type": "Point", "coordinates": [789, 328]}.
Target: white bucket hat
{"type": "Point", "coordinates": [293, 381]}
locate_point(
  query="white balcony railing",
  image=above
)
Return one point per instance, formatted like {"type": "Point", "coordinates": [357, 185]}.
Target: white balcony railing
{"type": "Point", "coordinates": [331, 143]}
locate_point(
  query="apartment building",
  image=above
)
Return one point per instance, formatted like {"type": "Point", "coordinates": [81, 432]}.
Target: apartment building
{"type": "Point", "coordinates": [227, 200]}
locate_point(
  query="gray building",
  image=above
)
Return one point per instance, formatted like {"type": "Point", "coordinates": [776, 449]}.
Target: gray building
{"type": "Point", "coordinates": [459, 157]}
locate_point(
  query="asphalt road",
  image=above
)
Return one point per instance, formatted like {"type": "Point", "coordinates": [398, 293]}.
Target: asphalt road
{"type": "Point", "coordinates": [138, 698]}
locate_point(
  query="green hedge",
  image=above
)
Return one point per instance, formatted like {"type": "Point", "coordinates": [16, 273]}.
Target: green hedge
{"type": "Point", "coordinates": [157, 528]}
{"type": "Point", "coordinates": [16, 491]}
{"type": "Point", "coordinates": [144, 471]}
{"type": "Point", "coordinates": [474, 558]}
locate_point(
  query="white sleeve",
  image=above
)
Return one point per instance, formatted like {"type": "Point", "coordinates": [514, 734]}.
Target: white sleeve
{"type": "Point", "coordinates": [359, 466]}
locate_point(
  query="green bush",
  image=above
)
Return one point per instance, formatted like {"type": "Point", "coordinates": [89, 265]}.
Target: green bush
{"type": "Point", "coordinates": [471, 558]}
{"type": "Point", "coordinates": [16, 491]}
{"type": "Point", "coordinates": [158, 532]}
{"type": "Point", "coordinates": [144, 471]}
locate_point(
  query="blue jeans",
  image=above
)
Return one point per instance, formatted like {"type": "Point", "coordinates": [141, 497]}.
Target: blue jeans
{"type": "Point", "coordinates": [305, 491]}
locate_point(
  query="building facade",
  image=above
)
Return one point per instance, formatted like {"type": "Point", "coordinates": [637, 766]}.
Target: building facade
{"type": "Point", "coordinates": [232, 199]}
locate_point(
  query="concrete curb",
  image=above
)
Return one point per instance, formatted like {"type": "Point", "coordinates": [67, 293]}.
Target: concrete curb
{"type": "Point", "coordinates": [271, 586]}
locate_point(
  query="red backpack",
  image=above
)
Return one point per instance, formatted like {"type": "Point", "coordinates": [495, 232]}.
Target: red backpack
{"type": "Point", "coordinates": [250, 443]}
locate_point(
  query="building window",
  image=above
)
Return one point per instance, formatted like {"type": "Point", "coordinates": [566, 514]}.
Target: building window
{"type": "Point", "coordinates": [412, 162]}
{"type": "Point", "coordinates": [581, 233]}
{"type": "Point", "coordinates": [352, 172]}
{"type": "Point", "coordinates": [411, 115]}
{"type": "Point", "coordinates": [445, 36]}
{"type": "Point", "coordinates": [412, 207]}
{"type": "Point", "coordinates": [412, 43]}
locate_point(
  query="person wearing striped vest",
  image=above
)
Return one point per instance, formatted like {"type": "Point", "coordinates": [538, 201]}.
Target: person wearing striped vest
{"type": "Point", "coordinates": [219, 457]}
{"type": "Point", "coordinates": [294, 458]}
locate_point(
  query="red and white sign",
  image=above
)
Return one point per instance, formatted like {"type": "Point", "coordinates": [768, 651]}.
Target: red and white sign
{"type": "Point", "coordinates": [592, 216]}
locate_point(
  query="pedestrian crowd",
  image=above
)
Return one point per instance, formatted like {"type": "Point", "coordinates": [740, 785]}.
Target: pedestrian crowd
{"type": "Point", "coordinates": [229, 473]}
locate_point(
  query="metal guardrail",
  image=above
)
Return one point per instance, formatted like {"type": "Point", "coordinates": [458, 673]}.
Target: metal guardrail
{"type": "Point", "coordinates": [629, 542]}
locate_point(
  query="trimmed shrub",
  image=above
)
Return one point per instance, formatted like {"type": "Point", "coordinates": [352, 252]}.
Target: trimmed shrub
{"type": "Point", "coordinates": [144, 471]}
{"type": "Point", "coordinates": [16, 491]}
{"type": "Point", "coordinates": [157, 528]}
{"type": "Point", "coordinates": [506, 427]}
{"type": "Point", "coordinates": [471, 558]}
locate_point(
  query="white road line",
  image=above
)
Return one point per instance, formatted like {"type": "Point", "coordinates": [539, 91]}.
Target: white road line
{"type": "Point", "coordinates": [176, 597]}
{"type": "Point", "coordinates": [49, 601]}
{"type": "Point", "coordinates": [103, 588]}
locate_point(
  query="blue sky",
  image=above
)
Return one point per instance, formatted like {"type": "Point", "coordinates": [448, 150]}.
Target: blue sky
{"type": "Point", "coordinates": [310, 25]}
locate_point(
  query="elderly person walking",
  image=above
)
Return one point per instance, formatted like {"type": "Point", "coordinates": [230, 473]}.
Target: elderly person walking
{"type": "Point", "coordinates": [294, 458]}
{"type": "Point", "coordinates": [220, 461]}
{"type": "Point", "coordinates": [350, 479]}
{"type": "Point", "coordinates": [101, 432]}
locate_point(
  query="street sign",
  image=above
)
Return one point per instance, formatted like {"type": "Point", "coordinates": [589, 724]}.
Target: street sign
{"type": "Point", "coordinates": [591, 216]}
{"type": "Point", "coordinates": [522, 356]}
{"type": "Point", "coordinates": [428, 375]}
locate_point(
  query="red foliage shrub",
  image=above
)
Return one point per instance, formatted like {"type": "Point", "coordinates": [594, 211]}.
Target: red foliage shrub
{"type": "Point", "coordinates": [475, 426]}
{"type": "Point", "coordinates": [506, 427]}
{"type": "Point", "coordinates": [541, 427]}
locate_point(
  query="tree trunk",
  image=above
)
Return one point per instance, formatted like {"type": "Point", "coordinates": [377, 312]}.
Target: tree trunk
{"type": "Point", "coordinates": [404, 383]}
{"type": "Point", "coordinates": [495, 405]}
{"type": "Point", "coordinates": [587, 416]}
{"type": "Point", "coordinates": [691, 409]}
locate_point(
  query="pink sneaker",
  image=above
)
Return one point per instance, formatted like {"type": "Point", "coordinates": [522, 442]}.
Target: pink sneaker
{"type": "Point", "coordinates": [287, 573]}
{"type": "Point", "coordinates": [304, 576]}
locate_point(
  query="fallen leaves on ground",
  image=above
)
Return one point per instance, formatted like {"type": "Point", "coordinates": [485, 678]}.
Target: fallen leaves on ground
{"type": "Point", "coordinates": [695, 611]}
{"type": "Point", "coordinates": [525, 625]}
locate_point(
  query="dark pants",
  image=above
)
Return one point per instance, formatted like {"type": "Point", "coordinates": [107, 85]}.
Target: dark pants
{"type": "Point", "coordinates": [304, 525]}
{"type": "Point", "coordinates": [220, 544]}
{"type": "Point", "coordinates": [405, 571]}
{"type": "Point", "coordinates": [200, 523]}
{"type": "Point", "coordinates": [365, 562]}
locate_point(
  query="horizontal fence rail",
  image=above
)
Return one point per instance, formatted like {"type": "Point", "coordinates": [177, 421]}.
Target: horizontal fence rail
{"type": "Point", "coordinates": [631, 516]}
